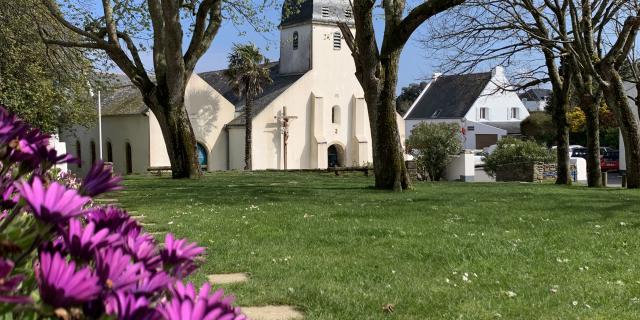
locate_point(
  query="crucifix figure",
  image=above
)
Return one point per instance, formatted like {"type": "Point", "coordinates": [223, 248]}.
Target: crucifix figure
{"type": "Point", "coordinates": [283, 120]}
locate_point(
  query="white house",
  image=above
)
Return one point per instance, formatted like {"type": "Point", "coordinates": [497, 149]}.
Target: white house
{"type": "Point", "coordinates": [535, 99]}
{"type": "Point", "coordinates": [631, 93]}
{"type": "Point", "coordinates": [475, 101]}
{"type": "Point", "coordinates": [314, 80]}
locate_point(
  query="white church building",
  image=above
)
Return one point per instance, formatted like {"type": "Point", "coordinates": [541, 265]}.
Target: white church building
{"type": "Point", "coordinates": [313, 81]}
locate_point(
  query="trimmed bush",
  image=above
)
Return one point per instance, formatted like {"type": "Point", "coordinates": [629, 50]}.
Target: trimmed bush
{"type": "Point", "coordinates": [432, 145]}
{"type": "Point", "coordinates": [514, 151]}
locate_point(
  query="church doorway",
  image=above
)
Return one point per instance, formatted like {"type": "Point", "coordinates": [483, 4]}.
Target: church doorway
{"type": "Point", "coordinates": [335, 155]}
{"type": "Point", "coordinates": [202, 155]}
{"type": "Point", "coordinates": [129, 161]}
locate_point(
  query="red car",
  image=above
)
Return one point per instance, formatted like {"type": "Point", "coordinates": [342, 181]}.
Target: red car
{"type": "Point", "coordinates": [609, 161]}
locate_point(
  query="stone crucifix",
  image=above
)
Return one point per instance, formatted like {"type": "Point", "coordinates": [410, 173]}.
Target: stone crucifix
{"type": "Point", "coordinates": [283, 120]}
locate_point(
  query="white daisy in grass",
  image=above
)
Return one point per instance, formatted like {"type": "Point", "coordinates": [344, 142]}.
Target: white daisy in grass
{"type": "Point", "coordinates": [511, 294]}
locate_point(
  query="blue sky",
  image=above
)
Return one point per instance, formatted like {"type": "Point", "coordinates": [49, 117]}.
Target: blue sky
{"type": "Point", "coordinates": [414, 64]}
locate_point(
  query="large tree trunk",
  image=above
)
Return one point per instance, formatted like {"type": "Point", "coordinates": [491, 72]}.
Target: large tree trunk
{"type": "Point", "coordinates": [616, 98]}
{"type": "Point", "coordinates": [389, 167]}
{"type": "Point", "coordinates": [591, 110]}
{"type": "Point", "coordinates": [248, 126]}
{"type": "Point", "coordinates": [178, 137]}
{"type": "Point", "coordinates": [561, 125]}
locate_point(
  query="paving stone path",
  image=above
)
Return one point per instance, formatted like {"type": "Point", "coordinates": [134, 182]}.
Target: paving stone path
{"type": "Point", "coordinates": [257, 313]}
{"type": "Point", "coordinates": [269, 312]}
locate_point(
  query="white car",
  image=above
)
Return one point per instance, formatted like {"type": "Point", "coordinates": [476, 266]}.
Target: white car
{"type": "Point", "coordinates": [478, 157]}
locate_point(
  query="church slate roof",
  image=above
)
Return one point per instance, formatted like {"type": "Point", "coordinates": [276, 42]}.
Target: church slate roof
{"type": "Point", "coordinates": [322, 11]}
{"type": "Point", "coordinates": [281, 82]}
{"type": "Point", "coordinates": [449, 97]}
{"type": "Point", "coordinates": [121, 97]}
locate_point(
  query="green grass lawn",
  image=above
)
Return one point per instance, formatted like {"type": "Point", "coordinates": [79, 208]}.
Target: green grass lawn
{"type": "Point", "coordinates": [337, 249]}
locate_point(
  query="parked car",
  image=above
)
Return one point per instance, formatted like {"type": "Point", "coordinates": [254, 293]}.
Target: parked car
{"type": "Point", "coordinates": [478, 156]}
{"type": "Point", "coordinates": [609, 158]}
{"type": "Point", "coordinates": [610, 161]}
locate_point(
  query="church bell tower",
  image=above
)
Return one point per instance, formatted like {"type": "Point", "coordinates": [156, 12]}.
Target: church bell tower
{"type": "Point", "coordinates": [300, 19]}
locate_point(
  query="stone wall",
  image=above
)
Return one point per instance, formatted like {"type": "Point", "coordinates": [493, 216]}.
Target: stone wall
{"type": "Point", "coordinates": [529, 172]}
{"type": "Point", "coordinates": [412, 168]}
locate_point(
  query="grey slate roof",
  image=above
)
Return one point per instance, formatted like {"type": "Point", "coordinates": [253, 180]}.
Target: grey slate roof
{"type": "Point", "coordinates": [218, 81]}
{"type": "Point", "coordinates": [449, 97]}
{"type": "Point", "coordinates": [121, 97]}
{"type": "Point", "coordinates": [535, 94]}
{"type": "Point", "coordinates": [302, 11]}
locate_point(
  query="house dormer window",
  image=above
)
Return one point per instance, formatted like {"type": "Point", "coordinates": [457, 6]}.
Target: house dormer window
{"type": "Point", "coordinates": [325, 12]}
{"type": "Point", "coordinates": [515, 113]}
{"type": "Point", "coordinates": [348, 13]}
{"type": "Point", "coordinates": [295, 40]}
{"type": "Point", "coordinates": [484, 113]}
{"type": "Point", "coordinates": [337, 40]}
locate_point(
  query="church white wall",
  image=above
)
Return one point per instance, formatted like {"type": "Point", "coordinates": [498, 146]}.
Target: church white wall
{"type": "Point", "coordinates": [330, 83]}
{"type": "Point", "coordinates": [236, 152]}
{"type": "Point", "coordinates": [118, 130]}
{"type": "Point", "coordinates": [498, 101]}
{"type": "Point", "coordinates": [208, 112]}
{"type": "Point", "coordinates": [298, 60]}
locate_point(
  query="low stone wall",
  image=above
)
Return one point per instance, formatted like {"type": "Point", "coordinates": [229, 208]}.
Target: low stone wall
{"type": "Point", "coordinates": [529, 172]}
{"type": "Point", "coordinates": [412, 168]}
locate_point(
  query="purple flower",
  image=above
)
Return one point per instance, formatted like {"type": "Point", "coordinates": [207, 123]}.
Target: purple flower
{"type": "Point", "coordinates": [143, 248]}
{"type": "Point", "coordinates": [100, 180]}
{"type": "Point", "coordinates": [112, 218]}
{"type": "Point", "coordinates": [153, 284]}
{"type": "Point", "coordinates": [186, 305]}
{"type": "Point", "coordinates": [127, 306]}
{"type": "Point", "coordinates": [61, 285]}
{"type": "Point", "coordinates": [9, 195]}
{"type": "Point", "coordinates": [180, 254]}
{"type": "Point", "coordinates": [52, 204]}
{"type": "Point", "coordinates": [30, 148]}
{"type": "Point", "coordinates": [116, 270]}
{"type": "Point", "coordinates": [82, 242]}
{"type": "Point", "coordinates": [11, 126]}
{"type": "Point", "coordinates": [9, 284]}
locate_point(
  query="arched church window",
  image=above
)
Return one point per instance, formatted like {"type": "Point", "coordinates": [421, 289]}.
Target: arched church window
{"type": "Point", "coordinates": [79, 153]}
{"type": "Point", "coordinates": [335, 114]}
{"type": "Point", "coordinates": [109, 152]}
{"type": "Point", "coordinates": [337, 40]}
{"type": "Point", "coordinates": [295, 40]}
{"type": "Point", "coordinates": [93, 152]}
{"type": "Point", "coordinates": [128, 158]}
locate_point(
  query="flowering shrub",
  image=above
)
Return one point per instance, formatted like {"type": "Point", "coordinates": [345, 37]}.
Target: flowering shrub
{"type": "Point", "coordinates": [61, 257]}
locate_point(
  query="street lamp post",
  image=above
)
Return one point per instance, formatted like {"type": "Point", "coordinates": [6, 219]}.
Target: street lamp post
{"type": "Point", "coordinates": [99, 119]}
{"type": "Point", "coordinates": [100, 124]}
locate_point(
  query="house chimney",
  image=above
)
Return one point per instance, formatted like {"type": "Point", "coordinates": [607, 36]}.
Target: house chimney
{"type": "Point", "coordinates": [436, 75]}
{"type": "Point", "coordinates": [498, 71]}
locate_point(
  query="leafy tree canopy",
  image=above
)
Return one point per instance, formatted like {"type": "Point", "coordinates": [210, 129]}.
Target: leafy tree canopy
{"type": "Point", "coordinates": [45, 86]}
{"type": "Point", "coordinates": [408, 95]}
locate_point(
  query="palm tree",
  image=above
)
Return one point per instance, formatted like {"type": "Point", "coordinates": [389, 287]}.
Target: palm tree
{"type": "Point", "coordinates": [248, 74]}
